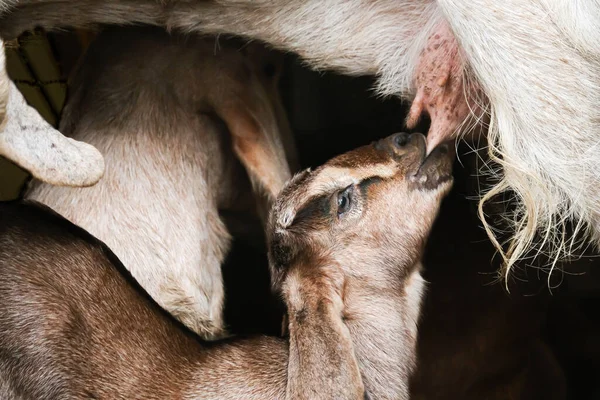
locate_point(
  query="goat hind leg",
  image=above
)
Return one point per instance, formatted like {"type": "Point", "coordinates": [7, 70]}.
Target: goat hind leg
{"type": "Point", "coordinates": [32, 143]}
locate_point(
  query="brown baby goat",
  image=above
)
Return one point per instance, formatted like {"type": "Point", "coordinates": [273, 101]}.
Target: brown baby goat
{"type": "Point", "coordinates": [345, 248]}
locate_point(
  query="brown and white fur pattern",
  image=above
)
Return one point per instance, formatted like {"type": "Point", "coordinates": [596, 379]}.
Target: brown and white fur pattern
{"type": "Point", "coordinates": [73, 326]}
{"type": "Point", "coordinates": [377, 240]}
{"type": "Point", "coordinates": [534, 66]}
{"type": "Point", "coordinates": [173, 117]}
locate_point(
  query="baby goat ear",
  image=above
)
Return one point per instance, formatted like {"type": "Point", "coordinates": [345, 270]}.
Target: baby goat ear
{"type": "Point", "coordinates": [261, 153]}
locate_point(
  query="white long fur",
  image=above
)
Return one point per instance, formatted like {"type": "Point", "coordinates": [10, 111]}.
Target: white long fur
{"type": "Point", "coordinates": [537, 61]}
{"type": "Point", "coordinates": [541, 73]}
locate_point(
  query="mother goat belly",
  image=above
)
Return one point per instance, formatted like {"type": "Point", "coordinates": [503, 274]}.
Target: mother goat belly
{"type": "Point", "coordinates": [532, 65]}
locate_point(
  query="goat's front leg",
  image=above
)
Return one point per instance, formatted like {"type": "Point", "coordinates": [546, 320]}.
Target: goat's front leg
{"type": "Point", "coordinates": [322, 364]}
{"type": "Point", "coordinates": [32, 143]}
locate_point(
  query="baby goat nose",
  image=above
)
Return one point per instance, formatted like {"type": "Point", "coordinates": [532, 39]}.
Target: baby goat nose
{"type": "Point", "coordinates": [400, 140]}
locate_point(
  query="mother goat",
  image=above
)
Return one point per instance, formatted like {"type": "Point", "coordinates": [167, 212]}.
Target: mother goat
{"type": "Point", "coordinates": [531, 69]}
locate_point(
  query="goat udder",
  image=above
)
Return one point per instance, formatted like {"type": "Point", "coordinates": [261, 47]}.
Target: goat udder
{"type": "Point", "coordinates": [440, 88]}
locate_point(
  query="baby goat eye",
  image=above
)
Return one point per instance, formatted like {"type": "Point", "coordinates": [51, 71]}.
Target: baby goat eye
{"type": "Point", "coordinates": [344, 200]}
